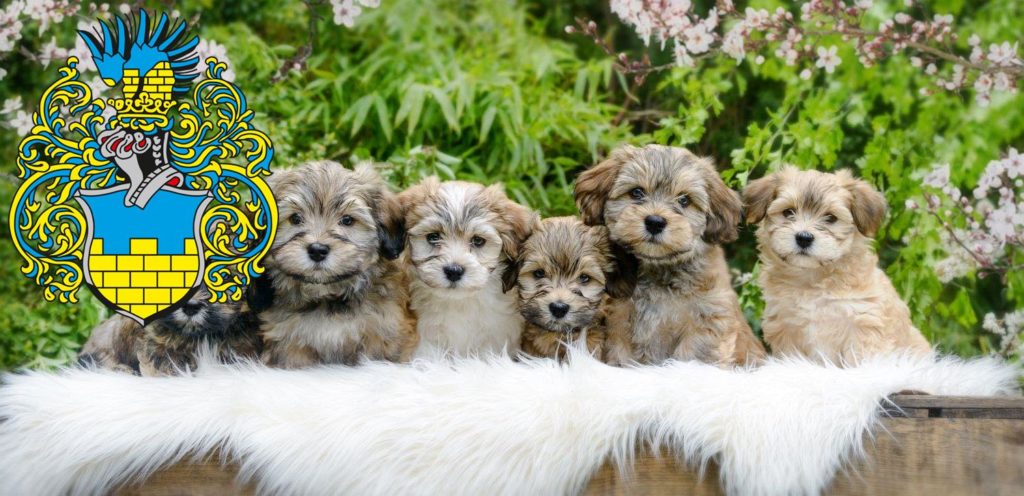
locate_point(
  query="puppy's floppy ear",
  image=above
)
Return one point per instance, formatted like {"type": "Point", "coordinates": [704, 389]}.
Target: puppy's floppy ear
{"type": "Point", "coordinates": [622, 281]}
{"type": "Point", "coordinates": [724, 208]}
{"type": "Point", "coordinates": [259, 295]}
{"type": "Point", "coordinates": [416, 194]}
{"type": "Point", "coordinates": [867, 205]}
{"type": "Point", "coordinates": [520, 224]}
{"type": "Point", "coordinates": [386, 212]}
{"type": "Point", "coordinates": [758, 195]}
{"type": "Point", "coordinates": [390, 226]}
{"type": "Point", "coordinates": [510, 276]}
{"type": "Point", "coordinates": [595, 184]}
{"type": "Point", "coordinates": [619, 267]}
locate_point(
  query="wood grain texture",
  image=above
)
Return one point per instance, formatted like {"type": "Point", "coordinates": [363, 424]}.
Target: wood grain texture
{"type": "Point", "coordinates": [941, 445]}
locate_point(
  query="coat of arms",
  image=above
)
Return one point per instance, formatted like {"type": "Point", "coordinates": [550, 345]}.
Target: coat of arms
{"type": "Point", "coordinates": [148, 202]}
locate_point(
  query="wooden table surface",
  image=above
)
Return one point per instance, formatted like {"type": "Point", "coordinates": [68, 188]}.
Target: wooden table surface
{"type": "Point", "coordinates": [930, 445]}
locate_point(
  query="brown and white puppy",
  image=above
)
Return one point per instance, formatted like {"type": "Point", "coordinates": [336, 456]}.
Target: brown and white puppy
{"type": "Point", "coordinates": [332, 292]}
{"type": "Point", "coordinates": [825, 297]}
{"type": "Point", "coordinates": [463, 239]}
{"type": "Point", "coordinates": [171, 344]}
{"type": "Point", "coordinates": [670, 210]}
{"type": "Point", "coordinates": [566, 271]}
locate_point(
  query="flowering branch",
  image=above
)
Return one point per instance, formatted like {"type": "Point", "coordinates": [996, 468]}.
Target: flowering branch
{"type": "Point", "coordinates": [799, 40]}
{"type": "Point", "coordinates": [988, 233]}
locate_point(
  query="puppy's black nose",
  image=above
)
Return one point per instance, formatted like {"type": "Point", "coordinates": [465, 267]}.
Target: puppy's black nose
{"type": "Point", "coordinates": [317, 252]}
{"type": "Point", "coordinates": [558, 309]}
{"type": "Point", "coordinates": [655, 223]}
{"type": "Point", "coordinates": [191, 308]}
{"type": "Point", "coordinates": [453, 272]}
{"type": "Point", "coordinates": [804, 239]}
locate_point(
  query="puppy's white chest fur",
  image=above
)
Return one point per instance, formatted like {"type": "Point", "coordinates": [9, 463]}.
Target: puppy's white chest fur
{"type": "Point", "coordinates": [465, 322]}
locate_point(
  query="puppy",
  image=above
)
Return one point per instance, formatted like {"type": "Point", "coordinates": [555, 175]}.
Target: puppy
{"type": "Point", "coordinates": [825, 296]}
{"type": "Point", "coordinates": [172, 343]}
{"type": "Point", "coordinates": [463, 239]}
{"type": "Point", "coordinates": [566, 273]}
{"type": "Point", "coordinates": [669, 209]}
{"type": "Point", "coordinates": [332, 292]}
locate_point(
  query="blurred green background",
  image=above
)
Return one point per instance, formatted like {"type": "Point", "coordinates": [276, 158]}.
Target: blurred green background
{"type": "Point", "coordinates": [497, 91]}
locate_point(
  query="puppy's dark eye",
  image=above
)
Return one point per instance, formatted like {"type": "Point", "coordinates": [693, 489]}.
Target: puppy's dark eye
{"type": "Point", "coordinates": [539, 273]}
{"type": "Point", "coordinates": [789, 213]}
{"type": "Point", "coordinates": [637, 193]}
{"type": "Point", "coordinates": [347, 220]}
{"type": "Point", "coordinates": [295, 219]}
{"type": "Point", "coordinates": [684, 201]}
{"type": "Point", "coordinates": [433, 238]}
{"type": "Point", "coordinates": [477, 241]}
{"type": "Point", "coordinates": [831, 219]}
{"type": "Point", "coordinates": [584, 279]}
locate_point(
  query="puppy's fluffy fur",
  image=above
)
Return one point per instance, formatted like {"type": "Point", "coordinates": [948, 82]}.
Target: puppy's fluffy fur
{"type": "Point", "coordinates": [564, 269]}
{"type": "Point", "coordinates": [824, 293]}
{"type": "Point", "coordinates": [332, 293]}
{"type": "Point", "coordinates": [670, 210]}
{"type": "Point", "coordinates": [462, 241]}
{"type": "Point", "coordinates": [171, 344]}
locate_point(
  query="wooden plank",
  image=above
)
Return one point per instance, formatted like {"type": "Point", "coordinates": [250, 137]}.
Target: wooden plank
{"type": "Point", "coordinates": [969, 447]}
{"type": "Point", "coordinates": [983, 402]}
{"type": "Point", "coordinates": [956, 407]}
{"type": "Point", "coordinates": [928, 456]}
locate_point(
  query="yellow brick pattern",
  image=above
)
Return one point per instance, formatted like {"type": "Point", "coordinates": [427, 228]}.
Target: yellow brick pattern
{"type": "Point", "coordinates": [157, 84]}
{"type": "Point", "coordinates": [143, 282]}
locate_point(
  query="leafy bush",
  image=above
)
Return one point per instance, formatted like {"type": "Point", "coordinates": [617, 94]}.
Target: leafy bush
{"type": "Point", "coordinates": [497, 91]}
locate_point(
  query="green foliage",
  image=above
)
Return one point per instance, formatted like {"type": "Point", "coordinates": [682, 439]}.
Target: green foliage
{"type": "Point", "coordinates": [496, 91]}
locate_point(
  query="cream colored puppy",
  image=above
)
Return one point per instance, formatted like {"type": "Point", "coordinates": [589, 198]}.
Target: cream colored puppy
{"type": "Point", "coordinates": [825, 296]}
{"type": "Point", "coordinates": [462, 242]}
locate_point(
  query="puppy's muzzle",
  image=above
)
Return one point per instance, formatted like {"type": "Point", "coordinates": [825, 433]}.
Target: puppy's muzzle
{"type": "Point", "coordinates": [558, 309]}
{"type": "Point", "coordinates": [655, 224]}
{"type": "Point", "coordinates": [453, 272]}
{"type": "Point", "coordinates": [318, 252]}
{"type": "Point", "coordinates": [804, 239]}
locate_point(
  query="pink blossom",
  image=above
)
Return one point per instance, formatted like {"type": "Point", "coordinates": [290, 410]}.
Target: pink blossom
{"type": "Point", "coordinates": [1003, 54]}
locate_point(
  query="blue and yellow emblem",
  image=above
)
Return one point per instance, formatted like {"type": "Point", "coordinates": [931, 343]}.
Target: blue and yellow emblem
{"type": "Point", "coordinates": [145, 205]}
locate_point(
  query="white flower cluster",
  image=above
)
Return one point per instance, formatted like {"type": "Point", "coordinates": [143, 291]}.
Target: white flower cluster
{"type": "Point", "coordinates": [799, 39]}
{"type": "Point", "coordinates": [984, 230]}
{"type": "Point", "coordinates": [43, 12]}
{"type": "Point", "coordinates": [1009, 329]}
{"type": "Point", "coordinates": [665, 20]}
{"type": "Point", "coordinates": [346, 11]}
{"type": "Point", "coordinates": [15, 116]}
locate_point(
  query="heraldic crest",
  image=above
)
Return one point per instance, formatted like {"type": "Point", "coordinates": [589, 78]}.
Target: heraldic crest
{"type": "Point", "coordinates": [145, 203]}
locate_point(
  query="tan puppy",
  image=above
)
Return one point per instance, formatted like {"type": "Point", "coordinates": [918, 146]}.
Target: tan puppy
{"type": "Point", "coordinates": [566, 271]}
{"type": "Point", "coordinates": [172, 343]}
{"type": "Point", "coordinates": [332, 293]}
{"type": "Point", "coordinates": [669, 209]}
{"type": "Point", "coordinates": [462, 241]}
{"type": "Point", "coordinates": [825, 296]}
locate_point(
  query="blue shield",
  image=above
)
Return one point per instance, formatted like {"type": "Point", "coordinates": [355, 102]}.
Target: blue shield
{"type": "Point", "coordinates": [143, 262]}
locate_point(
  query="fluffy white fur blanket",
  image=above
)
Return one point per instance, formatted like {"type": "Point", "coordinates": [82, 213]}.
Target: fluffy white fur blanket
{"type": "Point", "coordinates": [467, 427]}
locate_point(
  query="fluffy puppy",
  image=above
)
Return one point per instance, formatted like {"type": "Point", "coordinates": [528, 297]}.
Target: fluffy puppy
{"type": "Point", "coordinates": [463, 239]}
{"type": "Point", "coordinates": [825, 296]}
{"type": "Point", "coordinates": [332, 292]}
{"type": "Point", "coordinates": [670, 210]}
{"type": "Point", "coordinates": [565, 272]}
{"type": "Point", "coordinates": [172, 343]}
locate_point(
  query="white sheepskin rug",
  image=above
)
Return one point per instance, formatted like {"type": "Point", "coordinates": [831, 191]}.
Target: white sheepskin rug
{"type": "Point", "coordinates": [467, 427]}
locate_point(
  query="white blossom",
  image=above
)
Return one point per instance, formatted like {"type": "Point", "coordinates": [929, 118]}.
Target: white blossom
{"type": "Point", "coordinates": [827, 58]}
